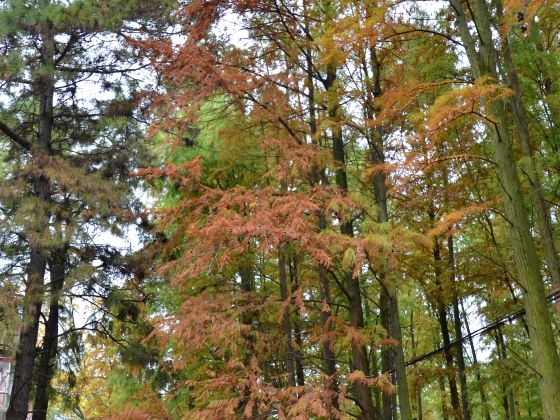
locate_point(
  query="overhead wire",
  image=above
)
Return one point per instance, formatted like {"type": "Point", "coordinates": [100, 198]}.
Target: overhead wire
{"type": "Point", "coordinates": [552, 297]}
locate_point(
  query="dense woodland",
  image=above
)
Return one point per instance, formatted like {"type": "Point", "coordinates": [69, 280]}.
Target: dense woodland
{"type": "Point", "coordinates": [288, 209]}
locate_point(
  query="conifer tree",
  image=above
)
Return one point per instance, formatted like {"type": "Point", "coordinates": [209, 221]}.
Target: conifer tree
{"type": "Point", "coordinates": [70, 153]}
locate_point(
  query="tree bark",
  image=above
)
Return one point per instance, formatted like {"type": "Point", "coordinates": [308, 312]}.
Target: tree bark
{"type": "Point", "coordinates": [443, 394]}
{"type": "Point", "coordinates": [286, 321]}
{"type": "Point", "coordinates": [247, 277]}
{"type": "Point", "coordinates": [444, 327]}
{"type": "Point", "coordinates": [294, 284]}
{"type": "Point", "coordinates": [327, 352]}
{"type": "Point", "coordinates": [458, 332]}
{"type": "Point", "coordinates": [508, 400]}
{"type": "Point", "coordinates": [393, 356]}
{"type": "Point", "coordinates": [47, 358]}
{"type": "Point", "coordinates": [542, 214]}
{"type": "Point", "coordinates": [26, 351]}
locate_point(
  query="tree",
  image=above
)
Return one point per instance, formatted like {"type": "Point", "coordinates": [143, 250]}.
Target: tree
{"type": "Point", "coordinates": [71, 155]}
{"type": "Point", "coordinates": [483, 63]}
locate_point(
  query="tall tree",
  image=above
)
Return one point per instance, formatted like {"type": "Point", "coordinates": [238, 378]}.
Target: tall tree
{"type": "Point", "coordinates": [67, 152]}
{"type": "Point", "coordinates": [484, 65]}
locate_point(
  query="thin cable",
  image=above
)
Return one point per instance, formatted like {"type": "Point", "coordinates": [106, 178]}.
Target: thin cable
{"type": "Point", "coordinates": [553, 297]}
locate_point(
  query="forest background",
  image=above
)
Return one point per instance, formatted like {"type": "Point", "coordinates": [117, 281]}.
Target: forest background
{"type": "Point", "coordinates": [280, 209]}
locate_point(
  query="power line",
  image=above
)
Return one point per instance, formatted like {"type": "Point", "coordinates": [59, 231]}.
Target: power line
{"type": "Point", "coordinates": [553, 297]}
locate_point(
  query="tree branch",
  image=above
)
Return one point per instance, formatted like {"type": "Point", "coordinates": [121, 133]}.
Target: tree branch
{"type": "Point", "coordinates": [12, 135]}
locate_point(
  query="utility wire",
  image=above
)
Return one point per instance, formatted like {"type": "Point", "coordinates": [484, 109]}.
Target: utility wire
{"type": "Point", "coordinates": [553, 297]}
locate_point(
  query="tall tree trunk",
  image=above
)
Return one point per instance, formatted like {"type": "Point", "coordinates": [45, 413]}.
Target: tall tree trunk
{"type": "Point", "coordinates": [47, 359]}
{"type": "Point", "coordinates": [508, 397]}
{"type": "Point", "coordinates": [450, 366]}
{"type": "Point", "coordinates": [294, 284]}
{"type": "Point", "coordinates": [458, 332]}
{"type": "Point", "coordinates": [527, 262]}
{"type": "Point", "coordinates": [374, 364]}
{"type": "Point", "coordinates": [387, 355]}
{"type": "Point", "coordinates": [443, 395]}
{"type": "Point", "coordinates": [360, 360]}
{"type": "Point", "coordinates": [542, 214]}
{"type": "Point", "coordinates": [444, 327]}
{"type": "Point", "coordinates": [26, 351]}
{"type": "Point", "coordinates": [419, 402]}
{"type": "Point", "coordinates": [247, 277]}
{"type": "Point", "coordinates": [393, 356]}
{"type": "Point", "coordinates": [482, 391]}
{"type": "Point", "coordinates": [327, 352]}
{"type": "Point", "coordinates": [387, 361]}
{"type": "Point", "coordinates": [286, 321]}
{"type": "Point", "coordinates": [503, 384]}
{"type": "Point", "coordinates": [418, 383]}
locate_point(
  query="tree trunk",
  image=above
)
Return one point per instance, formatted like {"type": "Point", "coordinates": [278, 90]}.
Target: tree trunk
{"type": "Point", "coordinates": [503, 384]}
{"type": "Point", "coordinates": [418, 383]}
{"type": "Point", "coordinates": [509, 399]}
{"type": "Point", "coordinates": [374, 363]}
{"type": "Point", "coordinates": [458, 333]}
{"type": "Point", "coordinates": [527, 262]}
{"type": "Point", "coordinates": [294, 284]}
{"type": "Point", "coordinates": [443, 394]}
{"type": "Point", "coordinates": [26, 352]}
{"type": "Point", "coordinates": [286, 321]}
{"type": "Point", "coordinates": [419, 402]}
{"type": "Point", "coordinates": [387, 360]}
{"type": "Point", "coordinates": [328, 355]}
{"type": "Point", "coordinates": [247, 277]}
{"type": "Point", "coordinates": [450, 366]}
{"type": "Point", "coordinates": [47, 359]}
{"type": "Point", "coordinates": [483, 397]}
{"type": "Point", "coordinates": [442, 319]}
{"type": "Point", "coordinates": [393, 356]}
{"type": "Point", "coordinates": [360, 360]}
{"type": "Point", "coordinates": [542, 214]}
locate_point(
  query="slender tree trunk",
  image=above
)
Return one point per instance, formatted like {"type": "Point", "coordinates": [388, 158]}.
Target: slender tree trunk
{"type": "Point", "coordinates": [294, 283]}
{"type": "Point", "coordinates": [419, 402]}
{"type": "Point", "coordinates": [286, 321]}
{"type": "Point", "coordinates": [26, 352]}
{"type": "Point", "coordinates": [527, 262]}
{"type": "Point", "coordinates": [483, 397]}
{"type": "Point", "coordinates": [373, 362]}
{"type": "Point", "coordinates": [458, 332]}
{"type": "Point", "coordinates": [247, 277]}
{"type": "Point", "coordinates": [393, 357]}
{"type": "Point", "coordinates": [509, 399]}
{"type": "Point", "coordinates": [387, 361]}
{"type": "Point", "coordinates": [328, 355]}
{"type": "Point", "coordinates": [360, 360]}
{"type": "Point", "coordinates": [47, 359]}
{"type": "Point", "coordinates": [418, 384]}
{"type": "Point", "coordinates": [443, 394]}
{"type": "Point", "coordinates": [450, 366]}
{"type": "Point", "coordinates": [503, 384]}
{"type": "Point", "coordinates": [444, 327]}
